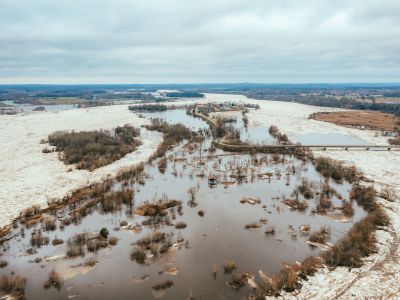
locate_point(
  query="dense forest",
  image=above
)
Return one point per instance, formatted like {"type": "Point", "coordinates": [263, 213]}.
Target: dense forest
{"type": "Point", "coordinates": [93, 149]}
{"type": "Point", "coordinates": [184, 95]}
{"type": "Point", "coordinates": [148, 108]}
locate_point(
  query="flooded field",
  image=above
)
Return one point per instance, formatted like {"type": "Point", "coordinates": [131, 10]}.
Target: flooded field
{"type": "Point", "coordinates": [242, 218]}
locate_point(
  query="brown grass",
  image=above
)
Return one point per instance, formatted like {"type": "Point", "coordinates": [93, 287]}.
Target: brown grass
{"type": "Point", "coordinates": [371, 119]}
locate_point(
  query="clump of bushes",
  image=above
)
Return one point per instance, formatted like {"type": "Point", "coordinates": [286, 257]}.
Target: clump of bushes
{"type": "Point", "coordinates": [75, 244]}
{"type": "Point", "coordinates": [38, 239]}
{"type": "Point", "coordinates": [310, 266]}
{"type": "Point", "coordinates": [335, 170]}
{"type": "Point", "coordinates": [323, 205]}
{"type": "Point", "coordinates": [54, 280]}
{"type": "Point", "coordinates": [359, 242]}
{"type": "Point", "coordinates": [305, 189]}
{"type": "Point", "coordinates": [74, 250]}
{"type": "Point", "coordinates": [320, 236]}
{"type": "Point", "coordinates": [91, 262]}
{"type": "Point", "coordinates": [270, 230]}
{"type": "Point", "coordinates": [201, 213]}
{"type": "Point", "coordinates": [57, 242]}
{"type": "Point", "coordinates": [104, 232]}
{"type": "Point", "coordinates": [113, 200]}
{"type": "Point", "coordinates": [93, 149]}
{"type": "Point", "coordinates": [113, 241]}
{"type": "Point", "coordinates": [286, 279]}
{"type": "Point", "coordinates": [50, 224]}
{"type": "Point", "coordinates": [156, 209]}
{"type": "Point", "coordinates": [238, 280]}
{"type": "Point", "coordinates": [155, 237]}
{"type": "Point", "coordinates": [138, 255]}
{"type": "Point", "coordinates": [365, 196]}
{"type": "Point", "coordinates": [13, 285]}
{"type": "Point", "coordinates": [3, 264]}
{"type": "Point", "coordinates": [180, 225]}
{"type": "Point", "coordinates": [172, 135]}
{"type": "Point", "coordinates": [162, 165]}
{"type": "Point", "coordinates": [163, 285]}
{"type": "Point", "coordinates": [252, 226]}
{"type": "Point", "coordinates": [348, 209]}
{"type": "Point", "coordinates": [296, 204]}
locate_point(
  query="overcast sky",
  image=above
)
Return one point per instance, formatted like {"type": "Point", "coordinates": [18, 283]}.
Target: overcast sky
{"type": "Point", "coordinates": [166, 41]}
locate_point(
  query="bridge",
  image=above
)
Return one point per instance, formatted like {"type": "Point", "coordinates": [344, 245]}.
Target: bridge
{"type": "Point", "coordinates": [225, 145]}
{"type": "Point", "coordinates": [292, 147]}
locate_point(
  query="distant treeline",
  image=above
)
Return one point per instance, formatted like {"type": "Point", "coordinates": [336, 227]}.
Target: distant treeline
{"type": "Point", "coordinates": [93, 149]}
{"type": "Point", "coordinates": [318, 100]}
{"type": "Point", "coordinates": [184, 95]}
{"type": "Point", "coordinates": [148, 107]}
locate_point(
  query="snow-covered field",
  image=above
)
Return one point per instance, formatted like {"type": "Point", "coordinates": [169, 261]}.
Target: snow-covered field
{"type": "Point", "coordinates": [28, 176]}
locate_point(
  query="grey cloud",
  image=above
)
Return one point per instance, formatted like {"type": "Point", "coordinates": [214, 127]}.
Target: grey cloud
{"type": "Point", "coordinates": [199, 41]}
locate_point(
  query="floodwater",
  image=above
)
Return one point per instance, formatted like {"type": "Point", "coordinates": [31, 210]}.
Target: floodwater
{"type": "Point", "coordinates": [214, 238]}
{"type": "Point", "coordinates": [253, 134]}
{"type": "Point", "coordinates": [329, 139]}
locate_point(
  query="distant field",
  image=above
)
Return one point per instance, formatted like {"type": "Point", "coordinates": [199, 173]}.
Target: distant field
{"type": "Point", "coordinates": [388, 100]}
{"type": "Point", "coordinates": [370, 119]}
{"type": "Point", "coordinates": [59, 101]}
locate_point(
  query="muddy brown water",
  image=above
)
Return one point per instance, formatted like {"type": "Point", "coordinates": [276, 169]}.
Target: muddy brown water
{"type": "Point", "coordinates": [218, 236]}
